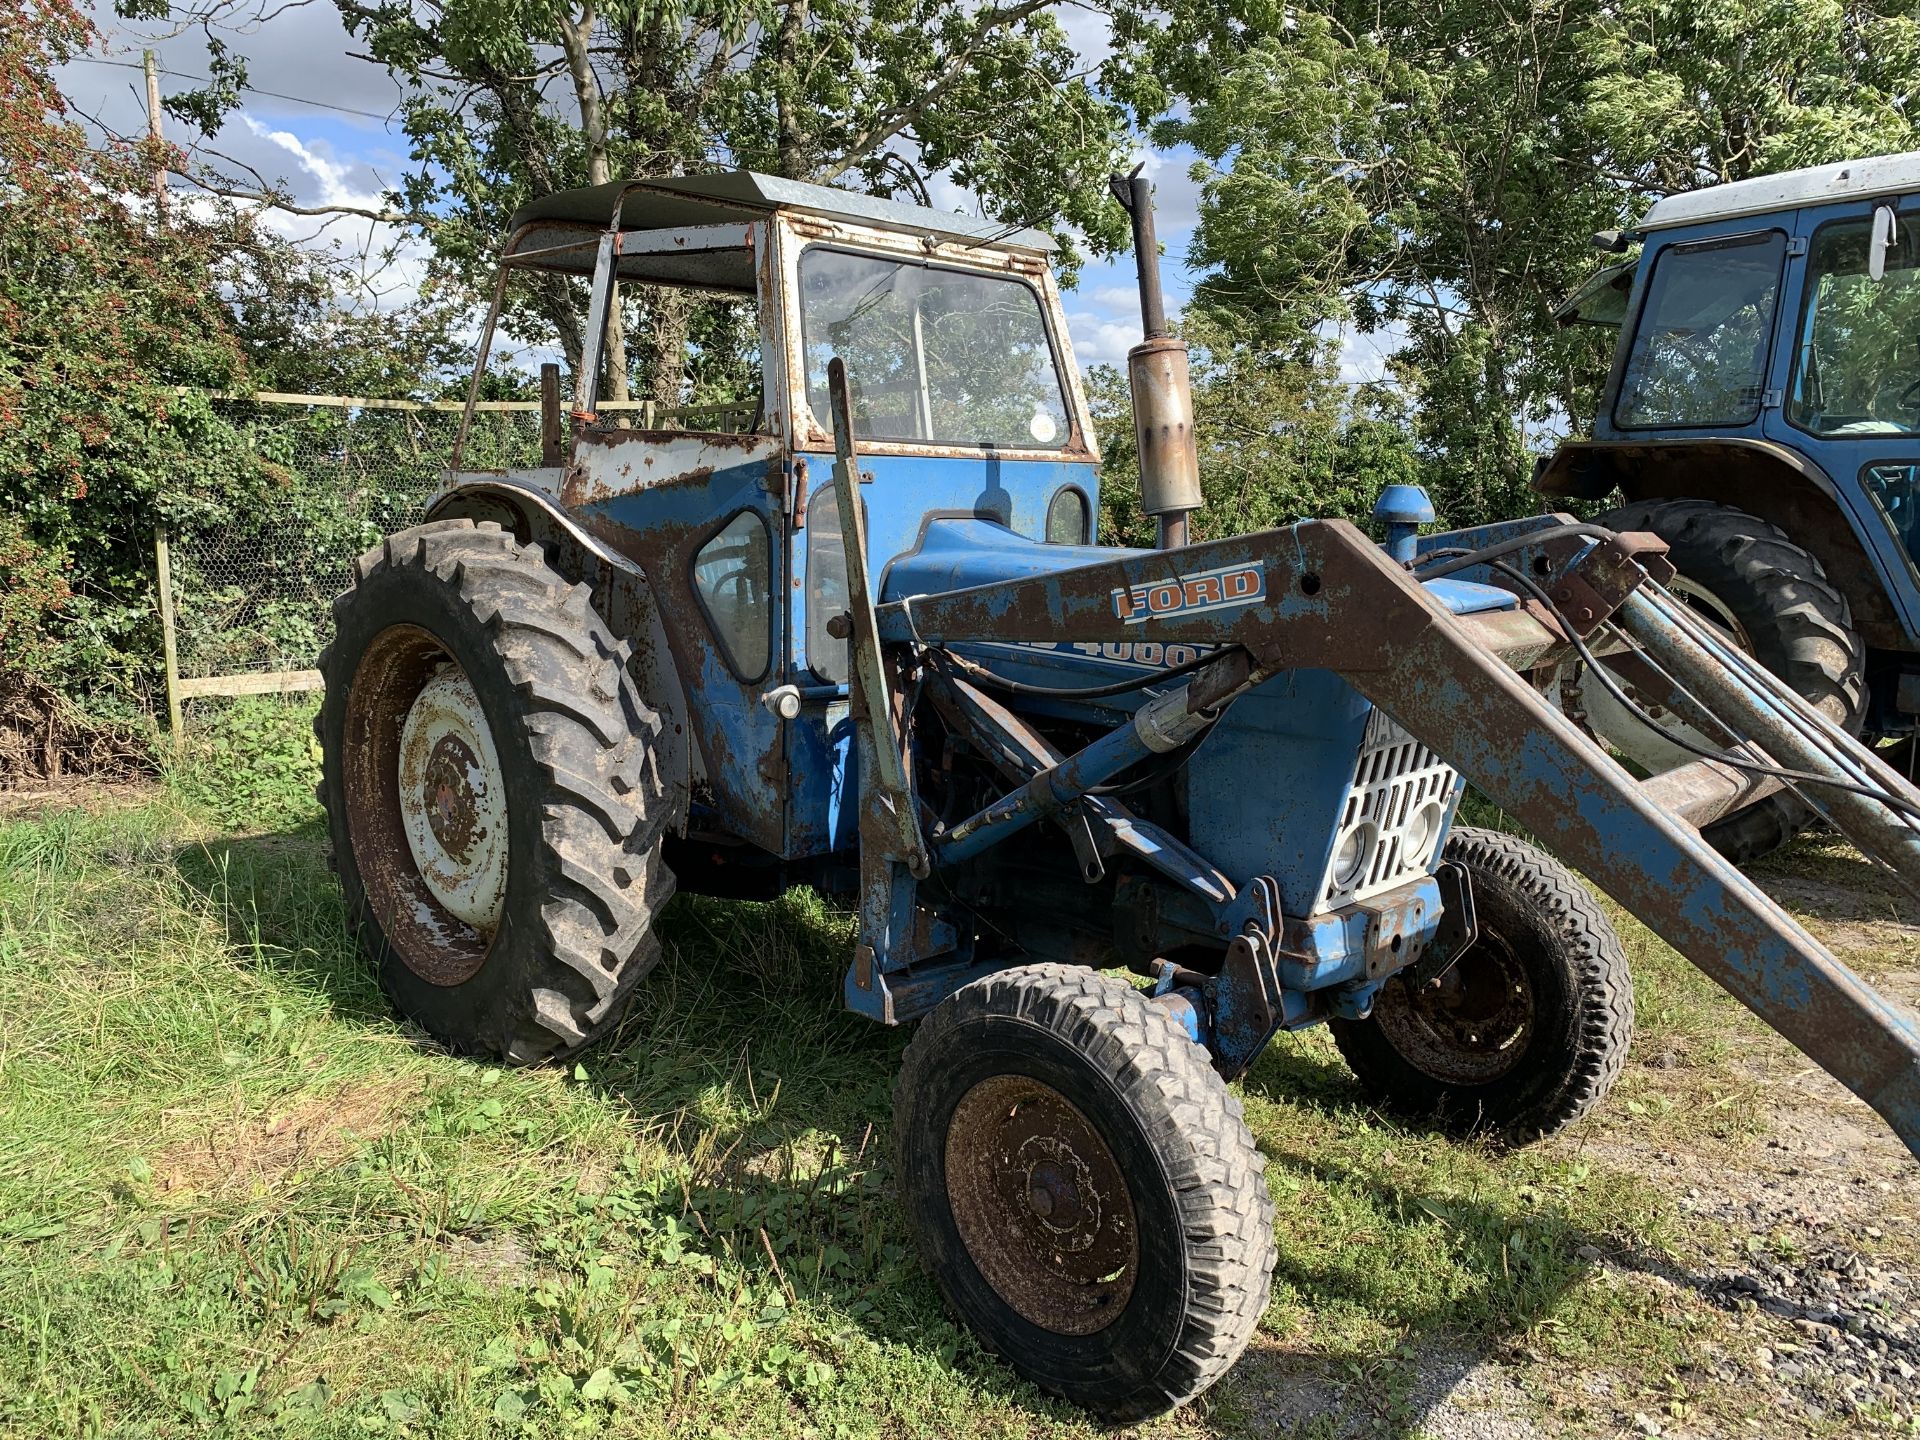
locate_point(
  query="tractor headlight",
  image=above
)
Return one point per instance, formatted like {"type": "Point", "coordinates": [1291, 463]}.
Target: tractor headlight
{"type": "Point", "coordinates": [1422, 829]}
{"type": "Point", "coordinates": [1353, 854]}
{"type": "Point", "coordinates": [1392, 818]}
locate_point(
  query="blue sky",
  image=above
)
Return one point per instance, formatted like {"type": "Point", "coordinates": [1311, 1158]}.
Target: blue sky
{"type": "Point", "coordinates": [326, 156]}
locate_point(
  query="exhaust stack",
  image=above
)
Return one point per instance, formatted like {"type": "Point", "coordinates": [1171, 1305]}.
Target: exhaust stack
{"type": "Point", "coordinates": [1157, 375]}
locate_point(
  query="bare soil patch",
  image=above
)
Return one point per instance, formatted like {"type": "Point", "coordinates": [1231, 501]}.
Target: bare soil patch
{"type": "Point", "coordinates": [259, 1152]}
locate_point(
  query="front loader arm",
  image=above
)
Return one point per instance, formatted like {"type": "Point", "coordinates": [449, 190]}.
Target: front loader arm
{"type": "Point", "coordinates": [1319, 595]}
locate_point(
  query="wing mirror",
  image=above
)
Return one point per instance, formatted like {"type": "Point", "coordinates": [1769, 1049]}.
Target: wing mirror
{"type": "Point", "coordinates": [1881, 239]}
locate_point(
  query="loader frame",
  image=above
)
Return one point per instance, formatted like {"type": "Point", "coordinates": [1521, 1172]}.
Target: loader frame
{"type": "Point", "coordinates": [1319, 595]}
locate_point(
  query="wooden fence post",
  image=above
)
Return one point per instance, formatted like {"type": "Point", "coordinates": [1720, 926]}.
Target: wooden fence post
{"type": "Point", "coordinates": [552, 449]}
{"type": "Point", "coordinates": [163, 565]}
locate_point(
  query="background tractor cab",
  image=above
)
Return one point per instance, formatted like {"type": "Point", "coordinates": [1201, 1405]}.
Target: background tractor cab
{"type": "Point", "coordinates": [1762, 415]}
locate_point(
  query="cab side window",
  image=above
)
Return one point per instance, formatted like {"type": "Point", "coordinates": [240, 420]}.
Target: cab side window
{"type": "Point", "coordinates": [733, 577]}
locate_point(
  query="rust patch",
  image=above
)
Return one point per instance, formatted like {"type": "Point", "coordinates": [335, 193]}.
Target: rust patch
{"type": "Point", "coordinates": [429, 939]}
{"type": "Point", "coordinates": [449, 799]}
{"type": "Point", "coordinates": [1468, 1027]}
{"type": "Point", "coordinates": [716, 439]}
{"type": "Point", "coordinates": [1041, 1205]}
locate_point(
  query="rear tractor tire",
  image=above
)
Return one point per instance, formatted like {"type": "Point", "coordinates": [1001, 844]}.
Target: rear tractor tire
{"type": "Point", "coordinates": [1084, 1188]}
{"type": "Point", "coordinates": [1745, 577]}
{"type": "Point", "coordinates": [1527, 1030]}
{"type": "Point", "coordinates": [491, 791]}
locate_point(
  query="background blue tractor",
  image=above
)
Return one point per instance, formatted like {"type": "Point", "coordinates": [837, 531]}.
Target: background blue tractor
{"type": "Point", "coordinates": [1762, 416]}
{"type": "Point", "coordinates": [832, 612]}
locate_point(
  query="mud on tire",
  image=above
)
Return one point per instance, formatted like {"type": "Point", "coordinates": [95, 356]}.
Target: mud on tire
{"type": "Point", "coordinates": [1144, 1278]}
{"type": "Point", "coordinates": [1797, 624]}
{"type": "Point", "coordinates": [1529, 1028]}
{"type": "Point", "coordinates": [582, 800]}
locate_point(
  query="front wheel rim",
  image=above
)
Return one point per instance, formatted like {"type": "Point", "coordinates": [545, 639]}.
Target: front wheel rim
{"type": "Point", "coordinates": [1041, 1205]}
{"type": "Point", "coordinates": [1471, 1025]}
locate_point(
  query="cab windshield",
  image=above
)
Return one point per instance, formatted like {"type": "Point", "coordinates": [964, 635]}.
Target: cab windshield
{"type": "Point", "coordinates": [946, 357]}
{"type": "Point", "coordinates": [1856, 369]}
{"type": "Point", "coordinates": [1699, 356]}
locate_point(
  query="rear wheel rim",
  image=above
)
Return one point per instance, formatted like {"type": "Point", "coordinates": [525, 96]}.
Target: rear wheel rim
{"type": "Point", "coordinates": [425, 805]}
{"type": "Point", "coordinates": [1041, 1205]}
{"type": "Point", "coordinates": [1618, 727]}
{"type": "Point", "coordinates": [453, 799]}
{"type": "Point", "coordinates": [1470, 1026]}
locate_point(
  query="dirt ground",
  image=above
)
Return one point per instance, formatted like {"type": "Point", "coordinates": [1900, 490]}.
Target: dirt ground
{"type": "Point", "coordinates": [1810, 1241]}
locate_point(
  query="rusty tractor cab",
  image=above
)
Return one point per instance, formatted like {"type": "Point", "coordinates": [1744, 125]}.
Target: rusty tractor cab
{"type": "Point", "coordinates": [1762, 416]}
{"type": "Point", "coordinates": [850, 626]}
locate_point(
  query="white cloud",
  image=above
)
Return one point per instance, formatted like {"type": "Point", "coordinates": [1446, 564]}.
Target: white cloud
{"type": "Point", "coordinates": [1364, 357]}
{"type": "Point", "coordinates": [332, 177]}
{"type": "Point", "coordinates": [1099, 339]}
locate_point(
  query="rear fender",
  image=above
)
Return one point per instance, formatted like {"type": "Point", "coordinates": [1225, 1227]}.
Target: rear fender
{"type": "Point", "coordinates": [621, 594]}
{"type": "Point", "coordinates": [1764, 479]}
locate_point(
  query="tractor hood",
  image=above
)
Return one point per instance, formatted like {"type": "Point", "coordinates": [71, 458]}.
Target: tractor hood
{"type": "Point", "coordinates": [958, 553]}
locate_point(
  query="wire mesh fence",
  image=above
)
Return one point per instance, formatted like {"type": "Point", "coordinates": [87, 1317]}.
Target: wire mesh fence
{"type": "Point", "coordinates": [246, 602]}
{"type": "Point", "coordinates": [250, 596]}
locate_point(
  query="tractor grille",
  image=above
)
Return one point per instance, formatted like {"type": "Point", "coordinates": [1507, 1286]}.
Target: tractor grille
{"type": "Point", "coordinates": [1393, 817]}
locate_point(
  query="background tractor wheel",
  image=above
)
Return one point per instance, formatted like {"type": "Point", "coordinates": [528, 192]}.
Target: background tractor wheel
{"type": "Point", "coordinates": [1084, 1188]}
{"type": "Point", "coordinates": [1746, 577]}
{"type": "Point", "coordinates": [491, 793]}
{"type": "Point", "coordinates": [1528, 1029]}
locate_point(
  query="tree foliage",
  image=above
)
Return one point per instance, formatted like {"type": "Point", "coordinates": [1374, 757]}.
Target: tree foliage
{"type": "Point", "coordinates": [1434, 172]}
{"type": "Point", "coordinates": [509, 100]}
{"type": "Point", "coordinates": [1280, 440]}
{"type": "Point", "coordinates": [101, 318]}
{"type": "Point", "coordinates": [117, 326]}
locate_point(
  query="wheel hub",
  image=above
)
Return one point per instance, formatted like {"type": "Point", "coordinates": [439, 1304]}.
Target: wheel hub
{"type": "Point", "coordinates": [1469, 1027]}
{"type": "Point", "coordinates": [453, 800]}
{"type": "Point", "coordinates": [1041, 1205]}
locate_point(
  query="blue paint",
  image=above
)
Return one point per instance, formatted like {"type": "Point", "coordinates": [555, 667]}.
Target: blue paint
{"type": "Point", "coordinates": [1403, 509]}
{"type": "Point", "coordinates": [741, 743]}
{"type": "Point", "coordinates": [1839, 459]}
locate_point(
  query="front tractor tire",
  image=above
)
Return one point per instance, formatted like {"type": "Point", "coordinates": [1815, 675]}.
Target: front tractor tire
{"type": "Point", "coordinates": [1084, 1188]}
{"type": "Point", "coordinates": [1744, 576]}
{"type": "Point", "coordinates": [492, 795]}
{"type": "Point", "coordinates": [1528, 1028]}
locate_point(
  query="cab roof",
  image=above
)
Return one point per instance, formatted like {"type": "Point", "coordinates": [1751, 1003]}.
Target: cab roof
{"type": "Point", "coordinates": [743, 196]}
{"type": "Point", "coordinates": [1790, 190]}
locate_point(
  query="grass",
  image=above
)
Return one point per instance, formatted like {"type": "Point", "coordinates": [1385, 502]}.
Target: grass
{"type": "Point", "coordinates": [238, 1196]}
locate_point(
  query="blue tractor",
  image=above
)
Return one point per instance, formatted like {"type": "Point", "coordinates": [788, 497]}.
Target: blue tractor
{"type": "Point", "coordinates": [1762, 416]}
{"type": "Point", "coordinates": [832, 611]}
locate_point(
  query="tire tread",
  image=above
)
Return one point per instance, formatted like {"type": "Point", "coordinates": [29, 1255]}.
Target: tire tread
{"type": "Point", "coordinates": [1198, 1126]}
{"type": "Point", "coordinates": [605, 810]}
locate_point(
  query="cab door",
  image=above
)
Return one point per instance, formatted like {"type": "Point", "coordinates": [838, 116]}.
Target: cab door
{"type": "Point", "coordinates": [1846, 385]}
{"type": "Point", "coordinates": [702, 511]}
{"type": "Point", "coordinates": [965, 403]}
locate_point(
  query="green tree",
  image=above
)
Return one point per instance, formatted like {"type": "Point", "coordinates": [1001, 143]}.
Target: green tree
{"type": "Point", "coordinates": [1436, 171]}
{"type": "Point", "coordinates": [117, 326]}
{"type": "Point", "coordinates": [102, 316]}
{"type": "Point", "coordinates": [508, 100]}
{"type": "Point", "coordinates": [1677, 96]}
